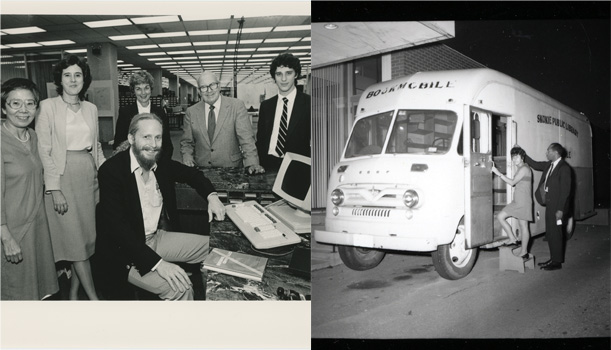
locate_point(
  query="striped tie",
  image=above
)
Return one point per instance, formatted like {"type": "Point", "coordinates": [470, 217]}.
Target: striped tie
{"type": "Point", "coordinates": [282, 130]}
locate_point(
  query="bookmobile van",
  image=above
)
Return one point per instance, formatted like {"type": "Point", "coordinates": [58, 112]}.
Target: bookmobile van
{"type": "Point", "coordinates": [415, 172]}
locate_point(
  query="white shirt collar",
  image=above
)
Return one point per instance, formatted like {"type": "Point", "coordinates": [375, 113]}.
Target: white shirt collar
{"type": "Point", "coordinates": [291, 95]}
{"type": "Point", "coordinates": [141, 107]}
{"type": "Point", "coordinates": [555, 163]}
{"type": "Point", "coordinates": [133, 162]}
{"type": "Point", "coordinates": [217, 104]}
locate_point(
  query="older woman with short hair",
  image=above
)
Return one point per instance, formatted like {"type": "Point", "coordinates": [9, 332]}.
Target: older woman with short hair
{"type": "Point", "coordinates": [28, 268]}
{"type": "Point", "coordinates": [141, 84]}
{"type": "Point", "coordinates": [71, 153]}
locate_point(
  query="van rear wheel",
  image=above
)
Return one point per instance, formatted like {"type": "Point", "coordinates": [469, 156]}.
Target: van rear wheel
{"type": "Point", "coordinates": [454, 261]}
{"type": "Point", "coordinates": [360, 259]}
{"type": "Point", "coordinates": [570, 228]}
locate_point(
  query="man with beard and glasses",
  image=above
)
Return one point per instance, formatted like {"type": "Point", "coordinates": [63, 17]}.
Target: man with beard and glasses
{"type": "Point", "coordinates": [138, 231]}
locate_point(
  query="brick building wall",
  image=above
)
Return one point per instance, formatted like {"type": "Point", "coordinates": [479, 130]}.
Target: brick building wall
{"type": "Point", "coordinates": [430, 57]}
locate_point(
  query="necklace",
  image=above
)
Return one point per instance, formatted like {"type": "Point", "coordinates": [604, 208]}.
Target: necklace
{"type": "Point", "coordinates": [27, 134]}
{"type": "Point", "coordinates": [71, 104]}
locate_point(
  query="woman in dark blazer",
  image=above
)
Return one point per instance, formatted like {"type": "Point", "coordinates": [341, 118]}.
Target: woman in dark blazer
{"type": "Point", "coordinates": [141, 84]}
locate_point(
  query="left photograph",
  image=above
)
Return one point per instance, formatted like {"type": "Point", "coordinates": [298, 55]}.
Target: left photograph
{"type": "Point", "coordinates": [156, 157]}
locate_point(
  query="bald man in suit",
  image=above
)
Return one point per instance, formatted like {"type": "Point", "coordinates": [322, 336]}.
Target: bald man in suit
{"type": "Point", "coordinates": [217, 131]}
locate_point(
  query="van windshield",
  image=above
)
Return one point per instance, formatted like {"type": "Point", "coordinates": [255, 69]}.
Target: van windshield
{"type": "Point", "coordinates": [368, 135]}
{"type": "Point", "coordinates": [419, 132]}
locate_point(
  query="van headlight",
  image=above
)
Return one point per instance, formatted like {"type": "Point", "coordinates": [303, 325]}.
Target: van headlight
{"type": "Point", "coordinates": [337, 197]}
{"type": "Point", "coordinates": [410, 198]}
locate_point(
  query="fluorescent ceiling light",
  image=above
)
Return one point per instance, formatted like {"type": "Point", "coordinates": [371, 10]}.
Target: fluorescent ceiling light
{"type": "Point", "coordinates": [292, 28]}
{"type": "Point", "coordinates": [277, 48]}
{"type": "Point", "coordinates": [251, 41]}
{"type": "Point", "coordinates": [132, 68]}
{"type": "Point", "coordinates": [281, 40]}
{"type": "Point", "coordinates": [259, 60]}
{"type": "Point", "coordinates": [217, 61]}
{"type": "Point", "coordinates": [208, 32]}
{"type": "Point", "coordinates": [157, 19]}
{"type": "Point", "coordinates": [208, 43]}
{"type": "Point", "coordinates": [120, 61]}
{"type": "Point", "coordinates": [23, 30]}
{"type": "Point", "coordinates": [186, 58]}
{"type": "Point", "coordinates": [210, 51]}
{"type": "Point", "coordinates": [16, 46]}
{"type": "Point", "coordinates": [300, 53]}
{"type": "Point", "coordinates": [191, 66]}
{"type": "Point", "coordinates": [174, 44]}
{"type": "Point", "coordinates": [127, 37]}
{"type": "Point", "coordinates": [141, 47]}
{"type": "Point", "coordinates": [165, 67]}
{"type": "Point", "coordinates": [160, 59]}
{"type": "Point", "coordinates": [77, 51]}
{"type": "Point", "coordinates": [265, 55]}
{"type": "Point", "coordinates": [108, 23]}
{"type": "Point", "coordinates": [167, 35]}
{"type": "Point", "coordinates": [125, 65]}
{"type": "Point", "coordinates": [56, 42]}
{"type": "Point", "coordinates": [181, 52]}
{"type": "Point", "coordinates": [240, 49]}
{"type": "Point", "coordinates": [166, 63]}
{"type": "Point", "coordinates": [307, 39]}
{"type": "Point", "coordinates": [253, 30]}
{"type": "Point", "coordinates": [151, 53]}
{"type": "Point", "coordinates": [189, 62]}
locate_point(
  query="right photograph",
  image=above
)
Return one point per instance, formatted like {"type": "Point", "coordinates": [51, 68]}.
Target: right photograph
{"type": "Point", "coordinates": [460, 184]}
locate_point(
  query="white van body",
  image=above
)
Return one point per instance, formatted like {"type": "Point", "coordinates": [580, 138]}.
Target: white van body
{"type": "Point", "coordinates": [406, 146]}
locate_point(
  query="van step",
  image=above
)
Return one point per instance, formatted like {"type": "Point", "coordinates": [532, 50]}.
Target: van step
{"type": "Point", "coordinates": [508, 261]}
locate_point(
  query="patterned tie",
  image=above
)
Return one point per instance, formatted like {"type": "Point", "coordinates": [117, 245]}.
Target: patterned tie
{"type": "Point", "coordinates": [211, 123]}
{"type": "Point", "coordinates": [283, 128]}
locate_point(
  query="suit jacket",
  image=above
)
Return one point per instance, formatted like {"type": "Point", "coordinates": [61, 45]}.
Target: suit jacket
{"type": "Point", "coordinates": [298, 132]}
{"type": "Point", "coordinates": [127, 113]}
{"type": "Point", "coordinates": [233, 144]}
{"type": "Point", "coordinates": [51, 131]}
{"type": "Point", "coordinates": [120, 227]}
{"type": "Point", "coordinates": [558, 185]}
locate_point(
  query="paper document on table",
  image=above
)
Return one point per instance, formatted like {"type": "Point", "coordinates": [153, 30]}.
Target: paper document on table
{"type": "Point", "coordinates": [236, 264]}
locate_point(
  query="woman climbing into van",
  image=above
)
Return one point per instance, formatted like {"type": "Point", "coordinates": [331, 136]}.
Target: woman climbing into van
{"type": "Point", "coordinates": [521, 206]}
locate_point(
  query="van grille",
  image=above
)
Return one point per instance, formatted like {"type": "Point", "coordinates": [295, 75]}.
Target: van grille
{"type": "Point", "coordinates": [371, 212]}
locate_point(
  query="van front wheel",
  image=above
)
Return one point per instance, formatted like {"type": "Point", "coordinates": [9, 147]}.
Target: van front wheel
{"type": "Point", "coordinates": [360, 259]}
{"type": "Point", "coordinates": [454, 261]}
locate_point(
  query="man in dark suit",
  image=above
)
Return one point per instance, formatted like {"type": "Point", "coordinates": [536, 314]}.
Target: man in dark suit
{"type": "Point", "coordinates": [137, 217]}
{"type": "Point", "coordinates": [217, 131]}
{"type": "Point", "coordinates": [554, 192]}
{"type": "Point", "coordinates": [141, 84]}
{"type": "Point", "coordinates": [284, 120]}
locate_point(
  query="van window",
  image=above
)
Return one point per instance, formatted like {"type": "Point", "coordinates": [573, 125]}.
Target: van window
{"type": "Point", "coordinates": [420, 132]}
{"type": "Point", "coordinates": [368, 135]}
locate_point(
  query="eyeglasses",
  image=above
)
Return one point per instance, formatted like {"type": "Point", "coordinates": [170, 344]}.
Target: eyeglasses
{"type": "Point", "coordinates": [212, 86]}
{"type": "Point", "coordinates": [16, 104]}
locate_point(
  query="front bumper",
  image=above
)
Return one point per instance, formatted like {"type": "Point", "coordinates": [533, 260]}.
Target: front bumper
{"type": "Point", "coordinates": [378, 242]}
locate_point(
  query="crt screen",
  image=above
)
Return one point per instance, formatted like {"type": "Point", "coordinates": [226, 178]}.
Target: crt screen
{"type": "Point", "coordinates": [296, 181]}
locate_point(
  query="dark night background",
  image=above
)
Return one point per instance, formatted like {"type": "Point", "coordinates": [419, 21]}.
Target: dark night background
{"type": "Point", "coordinates": [560, 48]}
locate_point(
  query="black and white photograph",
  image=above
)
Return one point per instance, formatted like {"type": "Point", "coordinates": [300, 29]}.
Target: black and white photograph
{"type": "Point", "coordinates": [461, 173]}
{"type": "Point", "coordinates": [158, 154]}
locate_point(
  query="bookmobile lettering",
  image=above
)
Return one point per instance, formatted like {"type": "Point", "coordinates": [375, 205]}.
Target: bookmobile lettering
{"type": "Point", "coordinates": [423, 85]}
{"type": "Point", "coordinates": [557, 122]}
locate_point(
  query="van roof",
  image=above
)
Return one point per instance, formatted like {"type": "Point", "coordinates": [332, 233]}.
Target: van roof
{"type": "Point", "coordinates": [449, 89]}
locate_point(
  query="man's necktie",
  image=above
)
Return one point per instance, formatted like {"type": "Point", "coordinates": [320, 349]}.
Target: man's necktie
{"type": "Point", "coordinates": [283, 129]}
{"type": "Point", "coordinates": [551, 168]}
{"type": "Point", "coordinates": [211, 123]}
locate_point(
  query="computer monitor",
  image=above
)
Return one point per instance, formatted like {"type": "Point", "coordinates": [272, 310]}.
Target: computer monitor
{"type": "Point", "coordinates": [293, 185]}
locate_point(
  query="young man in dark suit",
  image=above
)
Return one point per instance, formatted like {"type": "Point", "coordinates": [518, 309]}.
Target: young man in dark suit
{"type": "Point", "coordinates": [141, 84]}
{"type": "Point", "coordinates": [284, 120]}
{"type": "Point", "coordinates": [554, 192]}
{"type": "Point", "coordinates": [138, 238]}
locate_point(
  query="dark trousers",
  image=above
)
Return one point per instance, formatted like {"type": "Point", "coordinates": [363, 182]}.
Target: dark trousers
{"type": "Point", "coordinates": [555, 236]}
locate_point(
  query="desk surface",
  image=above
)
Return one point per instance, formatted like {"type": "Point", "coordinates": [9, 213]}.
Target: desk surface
{"type": "Point", "coordinates": [233, 185]}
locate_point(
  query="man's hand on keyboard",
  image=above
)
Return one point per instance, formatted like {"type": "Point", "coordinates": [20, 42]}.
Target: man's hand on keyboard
{"type": "Point", "coordinates": [215, 207]}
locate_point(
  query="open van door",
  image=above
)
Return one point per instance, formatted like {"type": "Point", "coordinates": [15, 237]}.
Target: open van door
{"type": "Point", "coordinates": [479, 214]}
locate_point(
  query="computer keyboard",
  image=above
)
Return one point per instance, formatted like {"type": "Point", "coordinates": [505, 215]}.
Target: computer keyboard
{"type": "Point", "coordinates": [261, 228]}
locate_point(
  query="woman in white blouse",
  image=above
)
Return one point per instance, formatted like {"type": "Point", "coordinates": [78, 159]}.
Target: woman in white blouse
{"type": "Point", "coordinates": [70, 152]}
